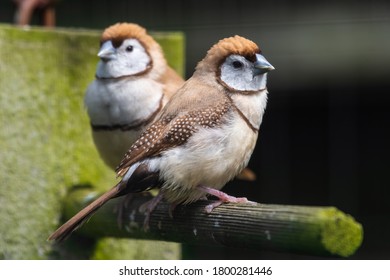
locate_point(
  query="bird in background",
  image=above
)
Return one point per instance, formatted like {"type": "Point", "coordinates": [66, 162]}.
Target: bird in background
{"type": "Point", "coordinates": [133, 83]}
{"type": "Point", "coordinates": [202, 139]}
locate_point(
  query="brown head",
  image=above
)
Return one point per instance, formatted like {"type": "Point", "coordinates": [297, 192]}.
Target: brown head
{"type": "Point", "coordinates": [126, 49]}
{"type": "Point", "coordinates": [235, 63]}
{"type": "Point", "coordinates": [119, 32]}
{"type": "Point", "coordinates": [225, 47]}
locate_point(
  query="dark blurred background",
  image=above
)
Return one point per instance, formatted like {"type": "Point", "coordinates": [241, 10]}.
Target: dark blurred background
{"type": "Point", "coordinates": [324, 138]}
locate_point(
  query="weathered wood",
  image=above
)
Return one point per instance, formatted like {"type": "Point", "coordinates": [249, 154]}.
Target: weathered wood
{"type": "Point", "coordinates": [305, 229]}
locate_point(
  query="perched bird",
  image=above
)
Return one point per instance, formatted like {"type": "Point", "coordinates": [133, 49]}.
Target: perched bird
{"type": "Point", "coordinates": [204, 136]}
{"type": "Point", "coordinates": [133, 83]}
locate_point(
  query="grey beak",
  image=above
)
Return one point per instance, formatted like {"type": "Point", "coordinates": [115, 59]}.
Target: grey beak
{"type": "Point", "coordinates": [262, 65]}
{"type": "Point", "coordinates": [107, 51]}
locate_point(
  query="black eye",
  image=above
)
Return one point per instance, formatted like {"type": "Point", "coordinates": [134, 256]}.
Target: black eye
{"type": "Point", "coordinates": [129, 48]}
{"type": "Point", "coordinates": [237, 64]}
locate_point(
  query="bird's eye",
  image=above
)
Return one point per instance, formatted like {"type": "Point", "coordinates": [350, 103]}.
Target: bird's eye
{"type": "Point", "coordinates": [237, 64]}
{"type": "Point", "coordinates": [129, 48]}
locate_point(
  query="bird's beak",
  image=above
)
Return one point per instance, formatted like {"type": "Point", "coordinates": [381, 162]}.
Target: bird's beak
{"type": "Point", "coordinates": [262, 65]}
{"type": "Point", "coordinates": [107, 51]}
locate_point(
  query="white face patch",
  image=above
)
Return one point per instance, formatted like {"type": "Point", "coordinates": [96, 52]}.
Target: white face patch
{"type": "Point", "coordinates": [239, 73]}
{"type": "Point", "coordinates": [129, 59]}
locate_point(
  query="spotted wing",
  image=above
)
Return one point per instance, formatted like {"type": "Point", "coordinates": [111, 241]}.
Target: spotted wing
{"type": "Point", "coordinates": [171, 131]}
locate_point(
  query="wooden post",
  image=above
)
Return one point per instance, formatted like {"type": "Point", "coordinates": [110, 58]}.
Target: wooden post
{"type": "Point", "coordinates": [324, 231]}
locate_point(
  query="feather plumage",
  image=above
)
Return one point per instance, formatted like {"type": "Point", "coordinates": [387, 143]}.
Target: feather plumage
{"type": "Point", "coordinates": [203, 137]}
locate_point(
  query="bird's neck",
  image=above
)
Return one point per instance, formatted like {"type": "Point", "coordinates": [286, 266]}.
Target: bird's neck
{"type": "Point", "coordinates": [253, 105]}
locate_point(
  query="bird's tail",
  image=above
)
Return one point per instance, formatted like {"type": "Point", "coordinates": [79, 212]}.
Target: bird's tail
{"type": "Point", "coordinates": [81, 217]}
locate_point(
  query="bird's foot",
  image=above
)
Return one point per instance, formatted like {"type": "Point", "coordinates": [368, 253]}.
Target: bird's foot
{"type": "Point", "coordinates": [223, 198]}
{"type": "Point", "coordinates": [148, 207]}
{"type": "Point", "coordinates": [172, 208]}
{"type": "Point", "coordinates": [122, 206]}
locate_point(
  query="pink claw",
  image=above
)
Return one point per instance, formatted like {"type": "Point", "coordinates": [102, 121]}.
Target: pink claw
{"type": "Point", "coordinates": [223, 198]}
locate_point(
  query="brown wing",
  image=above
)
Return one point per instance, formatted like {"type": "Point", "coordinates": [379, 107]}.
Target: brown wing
{"type": "Point", "coordinates": [171, 131]}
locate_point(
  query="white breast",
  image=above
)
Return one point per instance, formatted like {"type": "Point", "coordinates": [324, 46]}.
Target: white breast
{"type": "Point", "coordinates": [120, 103]}
{"type": "Point", "coordinates": [211, 157]}
{"type": "Point", "coordinates": [111, 102]}
{"type": "Point", "coordinates": [253, 106]}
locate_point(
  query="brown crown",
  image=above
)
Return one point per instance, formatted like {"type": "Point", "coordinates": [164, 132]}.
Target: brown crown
{"type": "Point", "coordinates": [225, 47]}
{"type": "Point", "coordinates": [233, 45]}
{"type": "Point", "coordinates": [119, 32]}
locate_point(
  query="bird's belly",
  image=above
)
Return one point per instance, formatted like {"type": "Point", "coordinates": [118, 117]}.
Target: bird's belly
{"type": "Point", "coordinates": [211, 157]}
{"type": "Point", "coordinates": [124, 102]}
{"type": "Point", "coordinates": [113, 144]}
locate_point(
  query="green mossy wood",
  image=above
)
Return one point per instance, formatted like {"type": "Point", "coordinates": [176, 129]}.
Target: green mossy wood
{"type": "Point", "coordinates": [45, 141]}
{"type": "Point", "coordinates": [46, 149]}
{"type": "Point", "coordinates": [323, 231]}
